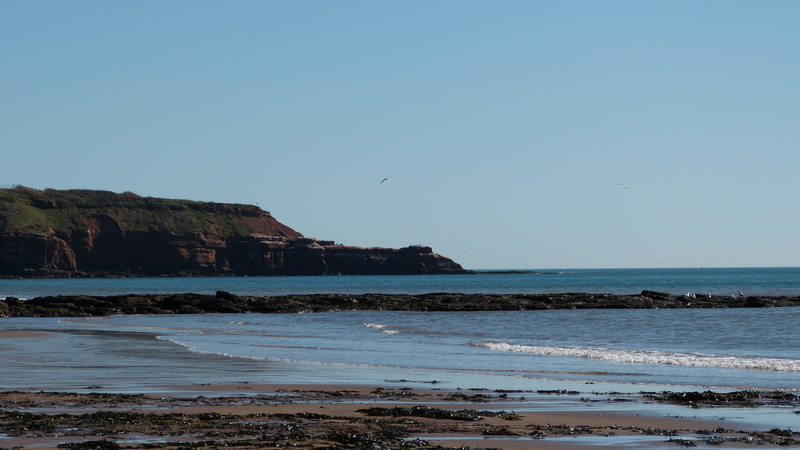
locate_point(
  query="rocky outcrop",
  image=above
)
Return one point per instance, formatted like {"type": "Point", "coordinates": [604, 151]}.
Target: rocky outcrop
{"type": "Point", "coordinates": [224, 302]}
{"type": "Point", "coordinates": [307, 256]}
{"type": "Point", "coordinates": [97, 233]}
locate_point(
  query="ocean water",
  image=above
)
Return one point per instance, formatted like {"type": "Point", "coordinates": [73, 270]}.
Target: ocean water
{"type": "Point", "coordinates": [717, 281]}
{"type": "Point", "coordinates": [637, 349]}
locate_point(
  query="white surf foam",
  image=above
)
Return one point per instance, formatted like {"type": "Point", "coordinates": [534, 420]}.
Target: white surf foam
{"type": "Point", "coordinates": [384, 328]}
{"type": "Point", "coordinates": [651, 357]}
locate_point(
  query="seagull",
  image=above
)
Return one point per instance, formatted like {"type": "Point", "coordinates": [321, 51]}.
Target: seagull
{"type": "Point", "coordinates": [623, 185]}
{"type": "Point", "coordinates": [384, 180]}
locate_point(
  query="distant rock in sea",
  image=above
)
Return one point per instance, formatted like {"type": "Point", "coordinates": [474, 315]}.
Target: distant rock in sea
{"type": "Point", "coordinates": [89, 233]}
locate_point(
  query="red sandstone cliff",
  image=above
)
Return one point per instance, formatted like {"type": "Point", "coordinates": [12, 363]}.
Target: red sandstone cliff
{"type": "Point", "coordinates": [98, 233]}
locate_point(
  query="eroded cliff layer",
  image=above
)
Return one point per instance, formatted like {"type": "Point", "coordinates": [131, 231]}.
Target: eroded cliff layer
{"type": "Point", "coordinates": [101, 233]}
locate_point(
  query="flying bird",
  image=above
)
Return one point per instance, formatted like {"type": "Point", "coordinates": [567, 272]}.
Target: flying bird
{"type": "Point", "coordinates": [623, 185]}
{"type": "Point", "coordinates": [384, 180]}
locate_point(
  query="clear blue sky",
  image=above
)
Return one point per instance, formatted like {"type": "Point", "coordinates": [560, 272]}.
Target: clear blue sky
{"type": "Point", "coordinates": [506, 126]}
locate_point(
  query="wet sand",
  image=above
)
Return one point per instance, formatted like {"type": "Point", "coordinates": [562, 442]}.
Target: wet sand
{"type": "Point", "coordinates": [22, 334]}
{"type": "Point", "coordinates": [5, 336]}
{"type": "Point", "coordinates": [248, 416]}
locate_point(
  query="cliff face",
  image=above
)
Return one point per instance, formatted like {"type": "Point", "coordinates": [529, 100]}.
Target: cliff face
{"type": "Point", "coordinates": [306, 256]}
{"type": "Point", "coordinates": [99, 233]}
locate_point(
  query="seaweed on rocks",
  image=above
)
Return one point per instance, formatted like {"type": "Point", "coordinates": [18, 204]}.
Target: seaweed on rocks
{"type": "Point", "coordinates": [436, 413]}
{"type": "Point", "coordinates": [735, 398]}
{"type": "Point", "coordinates": [103, 444]}
{"type": "Point", "coordinates": [113, 421]}
{"type": "Point", "coordinates": [224, 302]}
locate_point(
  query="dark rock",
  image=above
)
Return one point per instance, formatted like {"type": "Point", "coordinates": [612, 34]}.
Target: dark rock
{"type": "Point", "coordinates": [758, 302]}
{"type": "Point", "coordinates": [656, 295]}
{"type": "Point", "coordinates": [222, 302]}
{"type": "Point", "coordinates": [735, 398]}
{"type": "Point", "coordinates": [222, 295]}
{"type": "Point", "coordinates": [13, 301]}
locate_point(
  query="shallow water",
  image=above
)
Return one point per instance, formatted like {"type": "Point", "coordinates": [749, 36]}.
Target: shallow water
{"type": "Point", "coordinates": [736, 348]}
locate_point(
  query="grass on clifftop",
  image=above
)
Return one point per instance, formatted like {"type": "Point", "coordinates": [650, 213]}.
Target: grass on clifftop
{"type": "Point", "coordinates": [64, 211]}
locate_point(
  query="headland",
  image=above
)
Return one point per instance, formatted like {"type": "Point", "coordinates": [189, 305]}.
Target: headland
{"type": "Point", "coordinates": [88, 233]}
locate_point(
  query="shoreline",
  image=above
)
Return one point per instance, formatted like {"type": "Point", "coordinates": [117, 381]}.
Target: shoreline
{"type": "Point", "coordinates": [223, 402]}
{"type": "Point", "coordinates": [172, 398]}
{"type": "Point", "coordinates": [225, 302]}
{"type": "Point", "coordinates": [249, 416]}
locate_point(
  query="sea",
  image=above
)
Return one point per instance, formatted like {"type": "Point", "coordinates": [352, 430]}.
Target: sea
{"type": "Point", "coordinates": [629, 350]}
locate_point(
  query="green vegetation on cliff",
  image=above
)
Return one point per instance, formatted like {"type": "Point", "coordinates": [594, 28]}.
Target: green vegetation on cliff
{"type": "Point", "coordinates": [64, 211]}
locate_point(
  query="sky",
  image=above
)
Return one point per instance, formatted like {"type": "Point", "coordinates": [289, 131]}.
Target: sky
{"type": "Point", "coordinates": [509, 130]}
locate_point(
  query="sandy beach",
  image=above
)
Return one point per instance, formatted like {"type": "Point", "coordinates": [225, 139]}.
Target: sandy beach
{"type": "Point", "coordinates": [350, 416]}
{"type": "Point", "coordinates": [109, 390]}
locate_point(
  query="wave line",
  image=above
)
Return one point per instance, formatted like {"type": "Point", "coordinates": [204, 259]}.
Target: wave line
{"type": "Point", "coordinates": [650, 357]}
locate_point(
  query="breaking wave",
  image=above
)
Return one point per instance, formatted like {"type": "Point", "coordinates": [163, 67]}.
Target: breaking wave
{"type": "Point", "coordinates": [384, 328]}
{"type": "Point", "coordinates": [651, 357]}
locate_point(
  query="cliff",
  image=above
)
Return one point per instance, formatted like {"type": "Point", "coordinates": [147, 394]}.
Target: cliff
{"type": "Point", "coordinates": [99, 233]}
